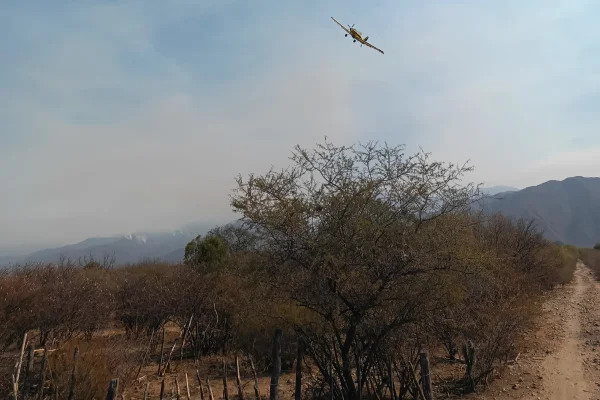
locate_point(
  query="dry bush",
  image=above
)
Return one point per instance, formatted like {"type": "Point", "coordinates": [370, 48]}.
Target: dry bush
{"type": "Point", "coordinates": [57, 301]}
{"type": "Point", "coordinates": [591, 258]}
{"type": "Point", "coordinates": [569, 255]}
{"type": "Point", "coordinates": [145, 297]}
{"type": "Point", "coordinates": [96, 365]}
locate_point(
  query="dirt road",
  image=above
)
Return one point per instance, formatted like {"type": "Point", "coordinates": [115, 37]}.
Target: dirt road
{"type": "Point", "coordinates": [563, 362]}
{"type": "Point", "coordinates": [564, 371]}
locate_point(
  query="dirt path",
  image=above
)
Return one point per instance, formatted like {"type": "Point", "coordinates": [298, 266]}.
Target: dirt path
{"type": "Point", "coordinates": [564, 371]}
{"type": "Point", "coordinates": [563, 359]}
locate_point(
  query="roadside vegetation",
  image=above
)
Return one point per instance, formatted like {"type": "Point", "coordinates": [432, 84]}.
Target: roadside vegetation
{"type": "Point", "coordinates": [591, 258]}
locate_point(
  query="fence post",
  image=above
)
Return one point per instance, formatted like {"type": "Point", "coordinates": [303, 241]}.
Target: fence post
{"type": "Point", "coordinates": [187, 387]}
{"type": "Point", "coordinates": [162, 389]}
{"type": "Point", "coordinates": [146, 391]}
{"type": "Point", "coordinates": [299, 359]}
{"type": "Point", "coordinates": [200, 384]}
{"type": "Point", "coordinates": [43, 374]}
{"type": "Point", "coordinates": [211, 395]}
{"type": "Point", "coordinates": [113, 387]}
{"type": "Point", "coordinates": [225, 390]}
{"type": "Point", "coordinates": [162, 349]}
{"type": "Point", "coordinates": [145, 355]}
{"type": "Point", "coordinates": [28, 372]}
{"type": "Point", "coordinates": [256, 388]}
{"type": "Point", "coordinates": [276, 359]}
{"type": "Point", "coordinates": [238, 379]}
{"type": "Point", "coordinates": [178, 391]}
{"type": "Point", "coordinates": [18, 371]}
{"type": "Point", "coordinates": [72, 385]}
{"type": "Point", "coordinates": [425, 375]}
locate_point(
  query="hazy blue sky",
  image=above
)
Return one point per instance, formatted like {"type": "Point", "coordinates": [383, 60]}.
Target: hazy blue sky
{"type": "Point", "coordinates": [125, 115]}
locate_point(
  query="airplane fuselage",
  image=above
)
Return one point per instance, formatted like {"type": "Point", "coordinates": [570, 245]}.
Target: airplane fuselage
{"type": "Point", "coordinates": [356, 34]}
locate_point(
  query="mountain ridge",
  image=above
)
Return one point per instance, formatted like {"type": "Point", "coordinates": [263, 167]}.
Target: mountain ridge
{"type": "Point", "coordinates": [568, 211]}
{"type": "Point", "coordinates": [168, 246]}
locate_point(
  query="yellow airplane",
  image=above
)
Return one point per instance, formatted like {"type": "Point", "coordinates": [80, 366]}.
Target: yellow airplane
{"type": "Point", "coordinates": [356, 35]}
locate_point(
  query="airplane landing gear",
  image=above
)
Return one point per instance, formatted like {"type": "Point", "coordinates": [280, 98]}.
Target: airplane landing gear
{"type": "Point", "coordinates": [346, 35]}
{"type": "Point", "coordinates": [354, 41]}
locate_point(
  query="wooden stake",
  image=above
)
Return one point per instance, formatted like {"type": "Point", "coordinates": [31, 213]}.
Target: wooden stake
{"type": "Point", "coordinates": [391, 377]}
{"type": "Point", "coordinates": [19, 365]}
{"type": "Point", "coordinates": [72, 385]}
{"type": "Point", "coordinates": [276, 360]}
{"type": "Point", "coordinates": [187, 387]}
{"type": "Point", "coordinates": [113, 388]}
{"type": "Point", "coordinates": [145, 355]}
{"type": "Point", "coordinates": [299, 357]}
{"type": "Point", "coordinates": [200, 384]}
{"type": "Point", "coordinates": [146, 391]}
{"type": "Point", "coordinates": [256, 388]}
{"type": "Point", "coordinates": [210, 392]}
{"type": "Point", "coordinates": [238, 379]}
{"type": "Point", "coordinates": [162, 349]}
{"type": "Point", "coordinates": [162, 389]}
{"type": "Point", "coordinates": [225, 391]}
{"type": "Point", "coordinates": [185, 333]}
{"type": "Point", "coordinates": [15, 387]}
{"type": "Point", "coordinates": [43, 374]}
{"type": "Point", "coordinates": [28, 372]}
{"type": "Point", "coordinates": [172, 350]}
{"type": "Point", "coordinates": [331, 374]}
{"type": "Point", "coordinates": [425, 375]}
{"type": "Point", "coordinates": [177, 388]}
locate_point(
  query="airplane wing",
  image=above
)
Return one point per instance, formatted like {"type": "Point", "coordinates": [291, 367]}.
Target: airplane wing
{"type": "Point", "coordinates": [371, 46]}
{"type": "Point", "coordinates": [343, 27]}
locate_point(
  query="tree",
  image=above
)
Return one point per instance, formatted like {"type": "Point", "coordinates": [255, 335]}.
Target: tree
{"type": "Point", "coordinates": [210, 250]}
{"type": "Point", "coordinates": [597, 246]}
{"type": "Point", "coordinates": [237, 238]}
{"type": "Point", "coordinates": [346, 233]}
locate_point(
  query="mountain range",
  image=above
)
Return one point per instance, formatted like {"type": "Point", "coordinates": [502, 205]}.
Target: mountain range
{"type": "Point", "coordinates": [493, 190]}
{"type": "Point", "coordinates": [567, 211]}
{"type": "Point", "coordinates": [166, 246]}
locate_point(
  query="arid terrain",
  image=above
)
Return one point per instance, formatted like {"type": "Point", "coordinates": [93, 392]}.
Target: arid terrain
{"type": "Point", "coordinates": [562, 360]}
{"type": "Point", "coordinates": [380, 274]}
{"type": "Point", "coordinates": [559, 361]}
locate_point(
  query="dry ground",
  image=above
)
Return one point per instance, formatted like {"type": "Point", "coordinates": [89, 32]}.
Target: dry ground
{"type": "Point", "coordinates": [562, 360]}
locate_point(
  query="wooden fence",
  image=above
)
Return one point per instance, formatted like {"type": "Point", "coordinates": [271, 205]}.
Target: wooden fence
{"type": "Point", "coordinates": [22, 384]}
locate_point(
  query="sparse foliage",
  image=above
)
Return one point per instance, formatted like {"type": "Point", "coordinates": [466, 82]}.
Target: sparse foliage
{"type": "Point", "coordinates": [345, 230]}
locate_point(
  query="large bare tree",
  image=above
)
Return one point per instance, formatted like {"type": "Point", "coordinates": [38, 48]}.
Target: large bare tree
{"type": "Point", "coordinates": [345, 233]}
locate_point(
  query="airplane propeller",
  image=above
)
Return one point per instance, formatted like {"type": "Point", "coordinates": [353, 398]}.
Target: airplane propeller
{"type": "Point", "coordinates": [350, 29]}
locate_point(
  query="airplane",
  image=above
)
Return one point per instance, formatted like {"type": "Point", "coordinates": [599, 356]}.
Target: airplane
{"type": "Point", "coordinates": [356, 35]}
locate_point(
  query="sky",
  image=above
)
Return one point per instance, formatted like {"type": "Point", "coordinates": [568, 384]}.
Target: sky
{"type": "Point", "coordinates": [117, 116]}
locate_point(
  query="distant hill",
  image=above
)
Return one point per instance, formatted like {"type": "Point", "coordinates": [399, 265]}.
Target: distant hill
{"type": "Point", "coordinates": [493, 190]}
{"type": "Point", "coordinates": [568, 211]}
{"type": "Point", "coordinates": [166, 246]}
